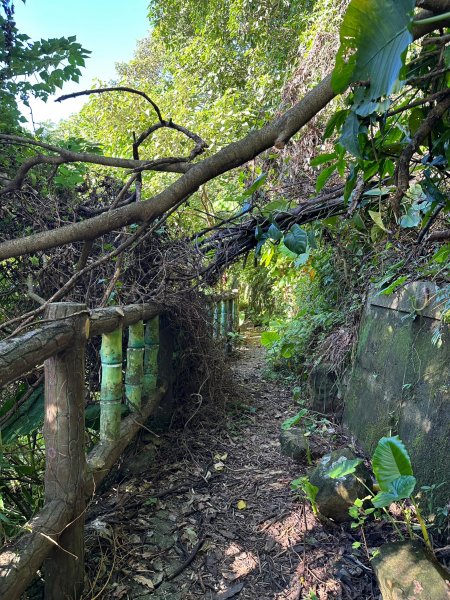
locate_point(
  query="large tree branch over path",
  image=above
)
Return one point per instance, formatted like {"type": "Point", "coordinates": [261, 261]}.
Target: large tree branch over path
{"type": "Point", "coordinates": [276, 133]}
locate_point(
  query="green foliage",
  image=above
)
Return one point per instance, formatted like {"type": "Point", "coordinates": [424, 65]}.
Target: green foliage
{"type": "Point", "coordinates": [396, 490]}
{"type": "Point", "coordinates": [342, 468]}
{"type": "Point", "coordinates": [302, 484]}
{"type": "Point", "coordinates": [296, 240]}
{"type": "Point", "coordinates": [295, 420]}
{"type": "Point", "coordinates": [390, 461]}
{"type": "Point", "coordinates": [27, 419]}
{"type": "Point", "coordinates": [32, 68]}
{"type": "Point", "coordinates": [374, 37]}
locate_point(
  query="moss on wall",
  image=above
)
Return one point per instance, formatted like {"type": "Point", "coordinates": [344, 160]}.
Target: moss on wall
{"type": "Point", "coordinates": [400, 384]}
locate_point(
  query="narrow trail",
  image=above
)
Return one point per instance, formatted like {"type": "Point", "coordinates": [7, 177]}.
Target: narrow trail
{"type": "Point", "coordinates": [208, 513]}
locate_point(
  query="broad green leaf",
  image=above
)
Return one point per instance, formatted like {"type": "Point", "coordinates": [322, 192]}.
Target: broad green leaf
{"type": "Point", "coordinates": [274, 233]}
{"type": "Point", "coordinates": [322, 158]}
{"type": "Point", "coordinates": [268, 338]}
{"type": "Point", "coordinates": [393, 286]}
{"type": "Point", "coordinates": [374, 36]}
{"type": "Point", "coordinates": [303, 483]}
{"type": "Point", "coordinates": [378, 220]}
{"type": "Point", "coordinates": [335, 123]}
{"type": "Point", "coordinates": [442, 255]}
{"type": "Point", "coordinates": [259, 181]}
{"type": "Point", "coordinates": [390, 461]}
{"type": "Point", "coordinates": [324, 176]}
{"type": "Point", "coordinates": [27, 418]}
{"type": "Point", "coordinates": [296, 240]}
{"type": "Point", "coordinates": [276, 206]}
{"type": "Point", "coordinates": [412, 218]}
{"type": "Point", "coordinates": [400, 488]}
{"type": "Point", "coordinates": [343, 467]}
{"type": "Point", "coordinates": [288, 423]}
{"type": "Point", "coordinates": [383, 191]}
{"type": "Point", "coordinates": [349, 135]}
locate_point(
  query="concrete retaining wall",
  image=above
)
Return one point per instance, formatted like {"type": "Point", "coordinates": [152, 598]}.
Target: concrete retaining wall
{"type": "Point", "coordinates": [400, 382]}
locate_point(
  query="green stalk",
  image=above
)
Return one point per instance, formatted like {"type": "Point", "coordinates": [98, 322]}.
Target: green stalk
{"type": "Point", "coordinates": [151, 356]}
{"type": "Point", "coordinates": [423, 525]}
{"type": "Point", "coordinates": [135, 366]}
{"type": "Point", "coordinates": [111, 385]}
{"type": "Point", "coordinates": [384, 509]}
{"type": "Point", "coordinates": [433, 19]}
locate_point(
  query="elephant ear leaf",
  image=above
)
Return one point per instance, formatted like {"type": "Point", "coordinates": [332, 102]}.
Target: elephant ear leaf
{"type": "Point", "coordinates": [398, 489]}
{"type": "Point", "coordinates": [390, 462]}
{"type": "Point", "coordinates": [374, 37]}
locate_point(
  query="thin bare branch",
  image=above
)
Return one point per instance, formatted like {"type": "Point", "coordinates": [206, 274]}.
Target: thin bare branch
{"type": "Point", "coordinates": [119, 88]}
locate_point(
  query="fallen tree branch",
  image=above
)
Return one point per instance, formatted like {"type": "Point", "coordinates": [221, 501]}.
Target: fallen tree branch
{"type": "Point", "coordinates": [439, 236]}
{"type": "Point", "coordinates": [236, 154]}
{"type": "Point", "coordinates": [174, 164]}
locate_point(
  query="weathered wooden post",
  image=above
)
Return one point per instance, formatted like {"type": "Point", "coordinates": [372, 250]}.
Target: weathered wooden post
{"type": "Point", "coordinates": [65, 468]}
{"type": "Point", "coordinates": [151, 340]}
{"type": "Point", "coordinates": [134, 376]}
{"type": "Point", "coordinates": [111, 389]}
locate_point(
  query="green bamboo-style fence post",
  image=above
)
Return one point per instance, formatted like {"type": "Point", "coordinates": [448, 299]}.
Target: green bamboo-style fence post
{"type": "Point", "coordinates": [234, 313]}
{"type": "Point", "coordinates": [134, 376]}
{"type": "Point", "coordinates": [65, 465]}
{"type": "Point", "coordinates": [111, 389]}
{"type": "Point", "coordinates": [223, 318]}
{"type": "Point", "coordinates": [151, 344]}
{"type": "Point", "coordinates": [230, 325]}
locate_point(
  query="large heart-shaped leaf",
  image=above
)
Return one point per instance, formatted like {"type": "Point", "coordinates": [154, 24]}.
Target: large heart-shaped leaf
{"type": "Point", "coordinates": [374, 36]}
{"type": "Point", "coordinates": [390, 461]}
{"type": "Point", "coordinates": [296, 240]}
{"type": "Point", "coordinates": [343, 467]}
{"type": "Point", "coordinates": [398, 489]}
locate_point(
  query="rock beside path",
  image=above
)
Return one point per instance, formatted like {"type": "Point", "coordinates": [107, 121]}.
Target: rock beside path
{"type": "Point", "coordinates": [296, 445]}
{"type": "Point", "coordinates": [336, 496]}
{"type": "Point", "coordinates": [408, 571]}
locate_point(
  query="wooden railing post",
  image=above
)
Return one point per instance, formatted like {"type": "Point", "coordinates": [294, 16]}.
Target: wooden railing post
{"type": "Point", "coordinates": [134, 376]}
{"type": "Point", "coordinates": [65, 470]}
{"type": "Point", "coordinates": [111, 389]}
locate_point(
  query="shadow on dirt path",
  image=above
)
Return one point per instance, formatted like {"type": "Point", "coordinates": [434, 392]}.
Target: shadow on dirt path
{"type": "Point", "coordinates": [208, 513]}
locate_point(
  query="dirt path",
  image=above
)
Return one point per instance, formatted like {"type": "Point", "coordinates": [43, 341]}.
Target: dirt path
{"type": "Point", "coordinates": [208, 513]}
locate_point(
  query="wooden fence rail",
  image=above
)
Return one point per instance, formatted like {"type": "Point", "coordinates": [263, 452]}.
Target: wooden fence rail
{"type": "Point", "coordinates": [55, 535]}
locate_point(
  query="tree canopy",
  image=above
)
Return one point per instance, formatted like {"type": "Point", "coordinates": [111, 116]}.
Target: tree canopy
{"type": "Point", "coordinates": [221, 86]}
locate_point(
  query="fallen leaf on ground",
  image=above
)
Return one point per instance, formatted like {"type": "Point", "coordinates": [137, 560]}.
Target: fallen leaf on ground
{"type": "Point", "coordinates": [230, 592]}
{"type": "Point", "coordinates": [144, 581]}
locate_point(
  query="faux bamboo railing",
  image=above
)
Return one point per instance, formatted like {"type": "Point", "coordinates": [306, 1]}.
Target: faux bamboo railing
{"type": "Point", "coordinates": [224, 314]}
{"type": "Point", "coordinates": [56, 533]}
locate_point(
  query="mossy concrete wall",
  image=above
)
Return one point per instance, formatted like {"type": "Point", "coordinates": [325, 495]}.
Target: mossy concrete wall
{"type": "Point", "coordinates": [400, 383]}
